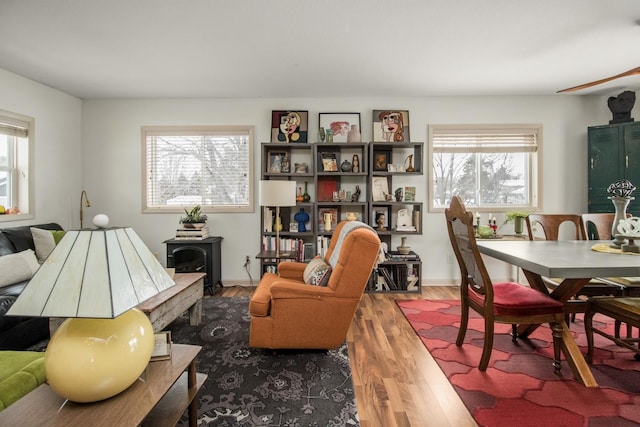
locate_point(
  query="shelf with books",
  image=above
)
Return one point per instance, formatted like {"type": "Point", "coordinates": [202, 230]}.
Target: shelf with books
{"type": "Point", "coordinates": [291, 162]}
{"type": "Point", "coordinates": [397, 275]}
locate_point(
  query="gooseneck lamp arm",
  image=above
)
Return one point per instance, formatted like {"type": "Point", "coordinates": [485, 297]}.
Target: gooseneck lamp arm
{"type": "Point", "coordinates": [87, 204]}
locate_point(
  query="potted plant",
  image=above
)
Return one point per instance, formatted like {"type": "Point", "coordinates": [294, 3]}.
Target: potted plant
{"type": "Point", "coordinates": [193, 216]}
{"type": "Point", "coordinates": [517, 218]}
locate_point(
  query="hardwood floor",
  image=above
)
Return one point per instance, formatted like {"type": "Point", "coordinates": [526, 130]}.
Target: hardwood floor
{"type": "Point", "coordinates": [397, 382]}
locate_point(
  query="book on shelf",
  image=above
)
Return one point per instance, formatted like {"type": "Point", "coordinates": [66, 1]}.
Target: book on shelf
{"type": "Point", "coordinates": [397, 256]}
{"type": "Point", "coordinates": [191, 237]}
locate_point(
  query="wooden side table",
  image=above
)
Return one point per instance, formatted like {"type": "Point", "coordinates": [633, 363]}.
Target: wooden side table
{"type": "Point", "coordinates": [159, 398]}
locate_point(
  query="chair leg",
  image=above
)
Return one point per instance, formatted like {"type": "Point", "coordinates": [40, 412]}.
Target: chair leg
{"type": "Point", "coordinates": [464, 320]}
{"type": "Point", "coordinates": [488, 345]}
{"type": "Point", "coordinates": [588, 329]}
{"type": "Point", "coordinates": [556, 331]}
{"type": "Point", "coordinates": [514, 333]}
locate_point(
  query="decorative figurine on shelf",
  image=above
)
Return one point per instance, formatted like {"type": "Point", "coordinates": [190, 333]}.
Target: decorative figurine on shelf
{"type": "Point", "coordinates": [346, 166]}
{"type": "Point", "coordinates": [356, 195]}
{"type": "Point", "coordinates": [301, 167]}
{"type": "Point", "coordinates": [301, 218]}
{"type": "Point", "coordinates": [398, 194]}
{"type": "Point", "coordinates": [410, 168]}
{"type": "Point", "coordinates": [381, 220]}
{"type": "Point", "coordinates": [356, 163]}
{"type": "Point", "coordinates": [321, 134]}
{"type": "Point", "coordinates": [299, 195]}
{"type": "Point", "coordinates": [327, 221]}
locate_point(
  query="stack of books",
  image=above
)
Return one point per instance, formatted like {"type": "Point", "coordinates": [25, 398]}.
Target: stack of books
{"type": "Point", "coordinates": [199, 232]}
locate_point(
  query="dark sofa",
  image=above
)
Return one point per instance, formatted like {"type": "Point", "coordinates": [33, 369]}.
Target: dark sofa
{"type": "Point", "coordinates": [18, 333]}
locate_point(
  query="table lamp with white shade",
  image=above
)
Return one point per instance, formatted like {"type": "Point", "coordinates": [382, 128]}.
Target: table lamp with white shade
{"type": "Point", "coordinates": [95, 278]}
{"type": "Point", "coordinates": [277, 193]}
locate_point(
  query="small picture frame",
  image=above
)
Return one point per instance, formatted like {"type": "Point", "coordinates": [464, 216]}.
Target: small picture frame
{"type": "Point", "coordinates": [289, 126]}
{"type": "Point", "coordinates": [381, 160]}
{"type": "Point", "coordinates": [391, 126]}
{"type": "Point", "coordinates": [329, 162]}
{"type": "Point", "coordinates": [409, 194]}
{"type": "Point", "coordinates": [379, 188]}
{"type": "Point", "coordinates": [339, 123]}
{"type": "Point", "coordinates": [293, 227]}
{"type": "Point", "coordinates": [278, 162]}
{"type": "Point", "coordinates": [380, 219]}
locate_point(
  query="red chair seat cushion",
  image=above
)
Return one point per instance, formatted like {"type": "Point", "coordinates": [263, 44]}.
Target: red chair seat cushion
{"type": "Point", "coordinates": [514, 299]}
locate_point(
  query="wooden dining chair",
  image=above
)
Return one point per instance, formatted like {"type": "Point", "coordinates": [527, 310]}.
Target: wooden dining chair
{"type": "Point", "coordinates": [550, 224]}
{"type": "Point", "coordinates": [597, 226]}
{"type": "Point", "coordinates": [504, 302]}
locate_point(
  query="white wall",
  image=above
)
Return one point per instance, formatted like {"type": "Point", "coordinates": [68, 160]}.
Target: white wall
{"type": "Point", "coordinates": [58, 147]}
{"type": "Point", "coordinates": [95, 145]}
{"type": "Point", "coordinates": [113, 166]}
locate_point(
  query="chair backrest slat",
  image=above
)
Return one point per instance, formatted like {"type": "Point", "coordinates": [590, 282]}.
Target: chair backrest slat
{"type": "Point", "coordinates": [551, 223]}
{"type": "Point", "coordinates": [462, 235]}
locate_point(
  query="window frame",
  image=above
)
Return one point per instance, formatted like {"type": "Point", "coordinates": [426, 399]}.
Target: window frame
{"type": "Point", "coordinates": [22, 171]}
{"type": "Point", "coordinates": [248, 131]}
{"type": "Point", "coordinates": [534, 167]}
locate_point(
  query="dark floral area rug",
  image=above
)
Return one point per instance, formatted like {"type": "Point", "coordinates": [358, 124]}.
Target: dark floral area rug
{"type": "Point", "coordinates": [255, 387]}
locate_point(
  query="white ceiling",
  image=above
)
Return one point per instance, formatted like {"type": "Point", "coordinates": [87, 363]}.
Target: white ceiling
{"type": "Point", "coordinates": [319, 48]}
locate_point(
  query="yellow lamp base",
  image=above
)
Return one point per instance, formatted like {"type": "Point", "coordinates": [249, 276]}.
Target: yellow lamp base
{"type": "Point", "coordinates": [88, 360]}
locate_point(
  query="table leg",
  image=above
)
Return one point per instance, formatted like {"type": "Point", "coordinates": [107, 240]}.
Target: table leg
{"type": "Point", "coordinates": [576, 361]}
{"type": "Point", "coordinates": [195, 313]}
{"type": "Point", "coordinates": [565, 290]}
{"type": "Point", "coordinates": [193, 407]}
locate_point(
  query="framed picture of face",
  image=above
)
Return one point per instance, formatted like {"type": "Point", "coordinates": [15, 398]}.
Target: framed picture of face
{"type": "Point", "coordinates": [339, 123]}
{"type": "Point", "coordinates": [289, 126]}
{"type": "Point", "coordinates": [381, 159]}
{"type": "Point", "coordinates": [391, 126]}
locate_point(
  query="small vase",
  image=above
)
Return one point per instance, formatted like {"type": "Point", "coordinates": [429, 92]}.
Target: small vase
{"type": "Point", "coordinates": [354, 134]}
{"type": "Point", "coordinates": [306, 197]}
{"type": "Point", "coordinates": [403, 248]}
{"type": "Point", "coordinates": [299, 197]}
{"type": "Point", "coordinates": [620, 204]}
{"type": "Point", "coordinates": [518, 223]}
{"type": "Point", "coordinates": [327, 222]}
{"type": "Point", "coordinates": [346, 166]}
{"type": "Point", "coordinates": [321, 134]}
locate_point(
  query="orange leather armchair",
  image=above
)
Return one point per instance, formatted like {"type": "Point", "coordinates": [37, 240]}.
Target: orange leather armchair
{"type": "Point", "coordinates": [288, 313]}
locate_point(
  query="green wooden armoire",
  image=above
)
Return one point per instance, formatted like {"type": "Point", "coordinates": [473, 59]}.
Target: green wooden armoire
{"type": "Point", "coordinates": [614, 153]}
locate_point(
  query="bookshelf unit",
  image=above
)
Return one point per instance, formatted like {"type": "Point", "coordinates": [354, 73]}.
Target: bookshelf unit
{"type": "Point", "coordinates": [291, 162]}
{"type": "Point", "coordinates": [394, 192]}
{"type": "Point", "coordinates": [331, 189]}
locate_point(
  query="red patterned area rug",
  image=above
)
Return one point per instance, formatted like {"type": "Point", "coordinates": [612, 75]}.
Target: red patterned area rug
{"type": "Point", "coordinates": [519, 387]}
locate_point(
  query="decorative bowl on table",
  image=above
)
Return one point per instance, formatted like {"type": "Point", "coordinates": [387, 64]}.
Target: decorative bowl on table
{"type": "Point", "coordinates": [485, 231]}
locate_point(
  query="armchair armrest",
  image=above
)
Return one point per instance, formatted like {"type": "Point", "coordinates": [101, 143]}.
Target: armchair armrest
{"type": "Point", "coordinates": [285, 289]}
{"type": "Point", "coordinates": [291, 270]}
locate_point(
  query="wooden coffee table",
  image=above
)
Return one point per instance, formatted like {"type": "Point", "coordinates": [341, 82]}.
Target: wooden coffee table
{"type": "Point", "coordinates": [159, 398]}
{"type": "Point", "coordinates": [165, 307]}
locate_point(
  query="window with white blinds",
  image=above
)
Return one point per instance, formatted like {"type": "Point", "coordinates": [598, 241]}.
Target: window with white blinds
{"type": "Point", "coordinates": [16, 140]}
{"type": "Point", "coordinates": [488, 166]}
{"type": "Point", "coordinates": [208, 166]}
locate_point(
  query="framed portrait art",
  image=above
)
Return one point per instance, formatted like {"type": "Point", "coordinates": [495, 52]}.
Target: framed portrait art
{"type": "Point", "coordinates": [381, 159]}
{"type": "Point", "coordinates": [288, 126]}
{"type": "Point", "coordinates": [339, 123]}
{"type": "Point", "coordinates": [391, 126]}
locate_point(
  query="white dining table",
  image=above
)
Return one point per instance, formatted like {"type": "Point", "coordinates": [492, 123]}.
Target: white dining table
{"type": "Point", "coordinates": [573, 261]}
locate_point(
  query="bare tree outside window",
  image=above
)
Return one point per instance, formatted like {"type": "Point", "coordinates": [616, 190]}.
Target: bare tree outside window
{"type": "Point", "coordinates": [487, 167]}
{"type": "Point", "coordinates": [211, 167]}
